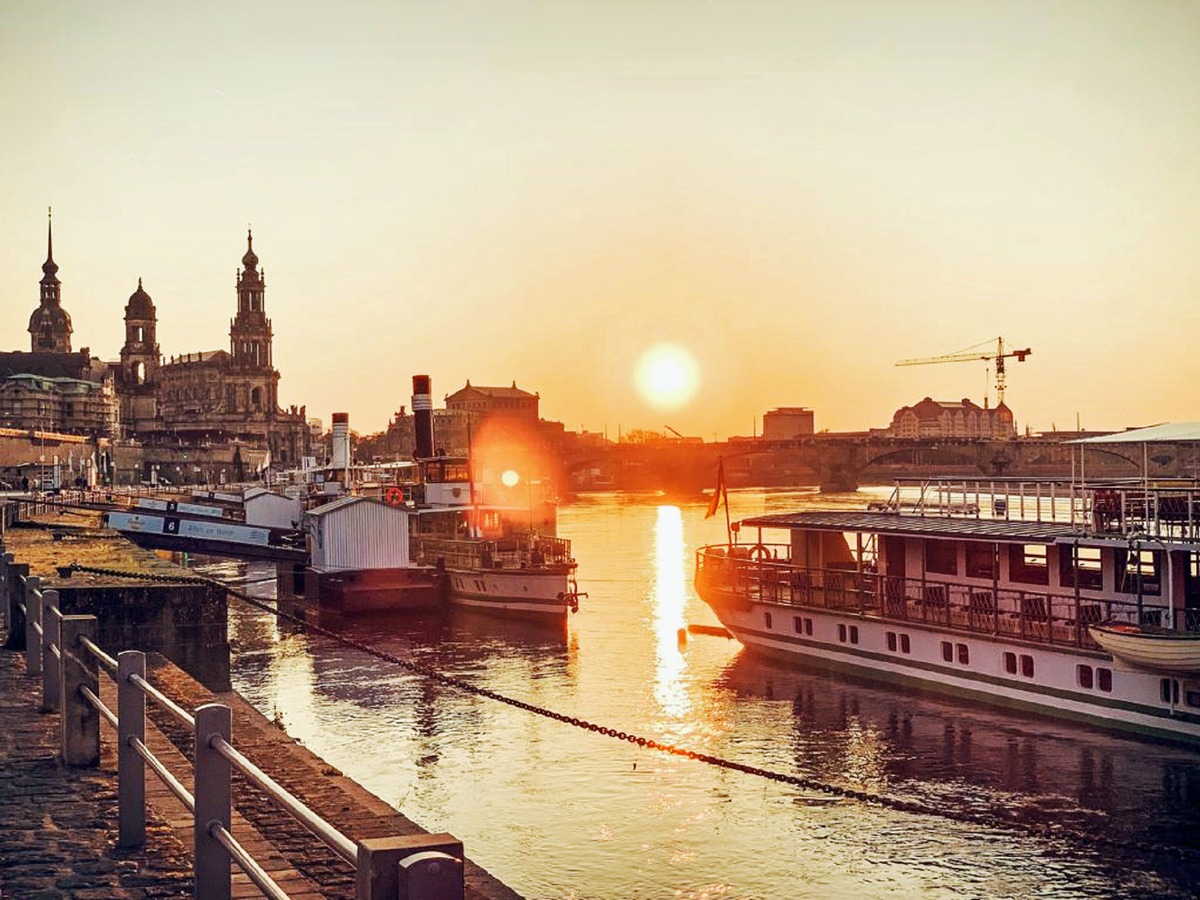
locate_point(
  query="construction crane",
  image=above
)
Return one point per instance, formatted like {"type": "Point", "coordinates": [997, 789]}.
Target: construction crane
{"type": "Point", "coordinates": [973, 353]}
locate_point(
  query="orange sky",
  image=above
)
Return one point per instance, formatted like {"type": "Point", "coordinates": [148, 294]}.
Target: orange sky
{"type": "Point", "coordinates": [799, 194]}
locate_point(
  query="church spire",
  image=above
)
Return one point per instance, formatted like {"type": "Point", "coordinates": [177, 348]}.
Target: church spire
{"type": "Point", "coordinates": [49, 267]}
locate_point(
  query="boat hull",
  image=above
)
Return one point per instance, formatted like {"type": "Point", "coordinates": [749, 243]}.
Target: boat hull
{"type": "Point", "coordinates": [359, 591]}
{"type": "Point", "coordinates": [1134, 703]}
{"type": "Point", "coordinates": [544, 592]}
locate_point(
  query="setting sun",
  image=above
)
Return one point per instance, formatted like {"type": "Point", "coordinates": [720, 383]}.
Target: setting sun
{"type": "Point", "coordinates": [667, 376]}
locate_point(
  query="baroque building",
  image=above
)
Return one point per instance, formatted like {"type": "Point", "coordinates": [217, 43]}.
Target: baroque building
{"type": "Point", "coordinates": [937, 418]}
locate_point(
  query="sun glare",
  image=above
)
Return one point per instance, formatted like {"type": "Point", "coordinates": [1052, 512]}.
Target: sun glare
{"type": "Point", "coordinates": [667, 376]}
{"type": "Point", "coordinates": [509, 478]}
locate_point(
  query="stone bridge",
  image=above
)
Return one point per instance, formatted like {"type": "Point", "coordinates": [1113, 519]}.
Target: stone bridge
{"type": "Point", "coordinates": [841, 462]}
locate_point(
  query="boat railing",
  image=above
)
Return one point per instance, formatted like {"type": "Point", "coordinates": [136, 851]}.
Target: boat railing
{"type": "Point", "coordinates": [518, 552]}
{"type": "Point", "coordinates": [764, 573]}
{"type": "Point", "coordinates": [1161, 510]}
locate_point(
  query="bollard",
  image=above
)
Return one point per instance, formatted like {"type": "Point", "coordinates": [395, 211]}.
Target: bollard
{"type": "Point", "coordinates": [16, 593]}
{"type": "Point", "coordinates": [33, 621]}
{"type": "Point", "coordinates": [412, 867]}
{"type": "Point", "coordinates": [214, 868]}
{"type": "Point", "coordinates": [80, 720]}
{"type": "Point", "coordinates": [131, 769]}
{"type": "Point", "coordinates": [51, 641]}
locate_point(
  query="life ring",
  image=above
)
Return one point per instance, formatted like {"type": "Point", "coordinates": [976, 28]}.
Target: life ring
{"type": "Point", "coordinates": [760, 552]}
{"type": "Point", "coordinates": [394, 496]}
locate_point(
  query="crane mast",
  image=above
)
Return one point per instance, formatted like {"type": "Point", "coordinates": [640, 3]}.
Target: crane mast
{"type": "Point", "coordinates": [975, 353]}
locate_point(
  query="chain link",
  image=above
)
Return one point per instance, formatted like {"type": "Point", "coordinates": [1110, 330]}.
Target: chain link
{"type": "Point", "coordinates": [1045, 831]}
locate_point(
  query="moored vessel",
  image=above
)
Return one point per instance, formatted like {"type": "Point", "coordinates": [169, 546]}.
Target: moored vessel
{"type": "Point", "coordinates": [1053, 604]}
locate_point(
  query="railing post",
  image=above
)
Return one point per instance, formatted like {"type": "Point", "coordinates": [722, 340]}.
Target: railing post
{"type": "Point", "coordinates": [4, 605]}
{"type": "Point", "coordinates": [16, 594]}
{"type": "Point", "coordinates": [33, 620]}
{"type": "Point", "coordinates": [131, 770]}
{"type": "Point", "coordinates": [80, 720]}
{"type": "Point", "coordinates": [214, 871]}
{"type": "Point", "coordinates": [412, 867]}
{"type": "Point", "coordinates": [51, 640]}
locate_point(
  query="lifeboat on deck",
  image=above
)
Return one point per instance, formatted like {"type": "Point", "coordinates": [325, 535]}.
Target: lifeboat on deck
{"type": "Point", "coordinates": [1150, 648]}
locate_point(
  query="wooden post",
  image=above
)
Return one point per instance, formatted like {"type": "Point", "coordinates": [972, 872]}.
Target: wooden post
{"type": "Point", "coordinates": [80, 720]}
{"type": "Point", "coordinates": [131, 769]}
{"type": "Point", "coordinates": [51, 641]}
{"type": "Point", "coordinates": [214, 872]}
{"type": "Point", "coordinates": [33, 619]}
{"type": "Point", "coordinates": [16, 595]}
{"type": "Point", "coordinates": [412, 867]}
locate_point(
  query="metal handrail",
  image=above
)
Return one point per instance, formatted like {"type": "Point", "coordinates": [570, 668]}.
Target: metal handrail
{"type": "Point", "coordinates": [248, 864]}
{"type": "Point", "coordinates": [98, 704]}
{"type": "Point", "coordinates": [163, 700]}
{"type": "Point", "coordinates": [336, 841]}
{"type": "Point", "coordinates": [164, 774]}
{"type": "Point", "coordinates": [103, 658]}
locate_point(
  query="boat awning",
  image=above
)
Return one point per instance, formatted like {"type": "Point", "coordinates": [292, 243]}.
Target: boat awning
{"type": "Point", "coordinates": [937, 527]}
{"type": "Point", "coordinates": [1168, 431]}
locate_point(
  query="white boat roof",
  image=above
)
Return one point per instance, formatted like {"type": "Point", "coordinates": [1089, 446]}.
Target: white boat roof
{"type": "Point", "coordinates": [950, 528]}
{"type": "Point", "coordinates": [1167, 431]}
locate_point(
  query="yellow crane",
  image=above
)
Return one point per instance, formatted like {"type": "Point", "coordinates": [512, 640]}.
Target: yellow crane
{"type": "Point", "coordinates": [973, 353]}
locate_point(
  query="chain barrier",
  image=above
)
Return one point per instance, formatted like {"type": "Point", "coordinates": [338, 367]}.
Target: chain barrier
{"type": "Point", "coordinates": [1041, 830]}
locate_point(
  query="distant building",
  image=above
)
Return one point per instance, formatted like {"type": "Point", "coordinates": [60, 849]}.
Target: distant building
{"type": "Point", "coordinates": [787, 422]}
{"type": "Point", "coordinates": [962, 418]}
{"type": "Point", "coordinates": [206, 398]}
{"type": "Point", "coordinates": [485, 402]}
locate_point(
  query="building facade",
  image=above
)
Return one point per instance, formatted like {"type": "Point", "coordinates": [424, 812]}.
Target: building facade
{"type": "Point", "coordinates": [787, 422]}
{"type": "Point", "coordinates": [937, 418]}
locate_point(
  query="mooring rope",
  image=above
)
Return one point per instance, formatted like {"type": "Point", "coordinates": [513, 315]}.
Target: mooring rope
{"type": "Point", "coordinates": [1042, 830]}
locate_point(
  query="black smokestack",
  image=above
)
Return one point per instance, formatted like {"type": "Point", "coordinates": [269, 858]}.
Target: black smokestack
{"type": "Point", "coordinates": [422, 406]}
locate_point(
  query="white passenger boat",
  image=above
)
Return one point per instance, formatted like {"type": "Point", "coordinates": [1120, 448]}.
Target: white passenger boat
{"type": "Point", "coordinates": [493, 556]}
{"type": "Point", "coordinates": [1057, 605]}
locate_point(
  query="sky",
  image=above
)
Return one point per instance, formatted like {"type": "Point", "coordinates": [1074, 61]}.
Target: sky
{"type": "Point", "coordinates": [788, 196]}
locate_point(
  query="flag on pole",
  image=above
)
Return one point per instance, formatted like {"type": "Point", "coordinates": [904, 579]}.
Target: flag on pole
{"type": "Point", "coordinates": [715, 503]}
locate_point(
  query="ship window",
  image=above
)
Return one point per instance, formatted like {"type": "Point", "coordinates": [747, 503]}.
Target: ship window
{"type": "Point", "coordinates": [854, 634]}
{"type": "Point", "coordinates": [1168, 690]}
{"type": "Point", "coordinates": [767, 619]}
{"type": "Point", "coordinates": [1138, 568]}
{"type": "Point", "coordinates": [842, 633]}
{"type": "Point", "coordinates": [941, 557]}
{"type": "Point", "coordinates": [964, 654]}
{"type": "Point", "coordinates": [1085, 567]}
{"type": "Point", "coordinates": [1192, 698]}
{"type": "Point", "coordinates": [1083, 676]}
{"type": "Point", "coordinates": [905, 646]}
{"type": "Point", "coordinates": [891, 641]}
{"type": "Point", "coordinates": [981, 560]}
{"type": "Point", "coordinates": [1026, 665]}
{"type": "Point", "coordinates": [1010, 663]}
{"type": "Point", "coordinates": [1027, 564]}
{"type": "Point", "coordinates": [947, 651]}
{"type": "Point", "coordinates": [798, 624]}
{"type": "Point", "coordinates": [808, 627]}
{"type": "Point", "coordinates": [1104, 679]}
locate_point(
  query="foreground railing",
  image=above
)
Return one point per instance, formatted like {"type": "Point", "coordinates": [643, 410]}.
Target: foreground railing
{"type": "Point", "coordinates": [762, 573]}
{"type": "Point", "coordinates": [62, 650]}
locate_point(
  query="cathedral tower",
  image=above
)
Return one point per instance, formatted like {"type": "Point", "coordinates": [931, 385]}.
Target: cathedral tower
{"type": "Point", "coordinates": [254, 381]}
{"type": "Point", "coordinates": [140, 355]}
{"type": "Point", "coordinates": [50, 325]}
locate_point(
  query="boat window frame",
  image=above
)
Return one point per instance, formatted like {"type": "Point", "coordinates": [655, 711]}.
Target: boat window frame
{"type": "Point", "coordinates": [941, 557]}
{"type": "Point", "coordinates": [1024, 566]}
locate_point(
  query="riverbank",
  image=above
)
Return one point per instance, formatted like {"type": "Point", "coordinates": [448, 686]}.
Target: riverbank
{"type": "Point", "coordinates": [58, 825]}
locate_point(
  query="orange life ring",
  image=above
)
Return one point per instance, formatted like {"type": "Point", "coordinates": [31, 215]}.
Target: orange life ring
{"type": "Point", "coordinates": [394, 496]}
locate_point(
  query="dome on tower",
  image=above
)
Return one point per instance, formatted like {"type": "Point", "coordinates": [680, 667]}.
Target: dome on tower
{"type": "Point", "coordinates": [250, 260]}
{"type": "Point", "coordinates": [140, 306]}
{"type": "Point", "coordinates": [50, 318]}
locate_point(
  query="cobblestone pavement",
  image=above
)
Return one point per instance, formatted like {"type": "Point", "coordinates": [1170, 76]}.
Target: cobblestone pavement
{"type": "Point", "coordinates": [58, 825]}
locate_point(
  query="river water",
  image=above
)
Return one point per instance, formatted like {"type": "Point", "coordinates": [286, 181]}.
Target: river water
{"type": "Point", "coordinates": [559, 812]}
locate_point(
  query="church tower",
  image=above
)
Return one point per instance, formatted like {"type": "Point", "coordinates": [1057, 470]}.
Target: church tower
{"type": "Point", "coordinates": [50, 325]}
{"type": "Point", "coordinates": [140, 355]}
{"type": "Point", "coordinates": [255, 381]}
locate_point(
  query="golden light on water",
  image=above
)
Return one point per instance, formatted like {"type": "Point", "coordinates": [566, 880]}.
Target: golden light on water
{"type": "Point", "coordinates": [670, 594]}
{"type": "Point", "coordinates": [667, 376]}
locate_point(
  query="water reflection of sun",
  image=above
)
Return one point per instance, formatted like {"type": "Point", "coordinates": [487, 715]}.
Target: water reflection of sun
{"type": "Point", "coordinates": [669, 596]}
